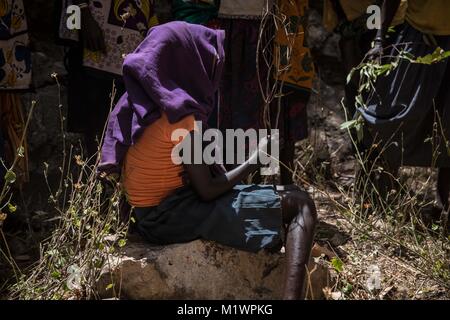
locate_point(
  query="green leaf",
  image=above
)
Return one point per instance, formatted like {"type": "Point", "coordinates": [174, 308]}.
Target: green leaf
{"type": "Point", "coordinates": [109, 286]}
{"type": "Point", "coordinates": [438, 55]}
{"type": "Point", "coordinates": [348, 124]}
{"type": "Point", "coordinates": [12, 208]}
{"type": "Point", "coordinates": [99, 188]}
{"type": "Point", "coordinates": [337, 264]}
{"type": "Point", "coordinates": [347, 289]}
{"type": "Point", "coordinates": [359, 131]}
{"type": "Point", "coordinates": [122, 243]}
{"type": "Point", "coordinates": [350, 75]}
{"type": "Point", "coordinates": [10, 177]}
{"type": "Point", "coordinates": [21, 152]}
{"type": "Point", "coordinates": [359, 101]}
{"type": "Point", "coordinates": [56, 274]}
{"type": "Point", "coordinates": [381, 70]}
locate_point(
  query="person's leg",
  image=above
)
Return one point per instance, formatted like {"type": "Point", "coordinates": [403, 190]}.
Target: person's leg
{"type": "Point", "coordinates": [98, 96]}
{"type": "Point", "coordinates": [300, 217]}
{"type": "Point", "coordinates": [443, 188]}
{"type": "Point", "coordinates": [443, 193]}
{"type": "Point", "coordinates": [76, 99]}
{"type": "Point", "coordinates": [442, 101]}
{"type": "Point", "coordinates": [2, 156]}
{"type": "Point", "coordinates": [287, 162]}
{"type": "Point", "coordinates": [98, 100]}
{"type": "Point", "coordinates": [293, 127]}
{"type": "Point", "coordinates": [382, 182]}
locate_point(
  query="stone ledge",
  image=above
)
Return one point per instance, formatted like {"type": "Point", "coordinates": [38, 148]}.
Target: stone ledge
{"type": "Point", "coordinates": [200, 270]}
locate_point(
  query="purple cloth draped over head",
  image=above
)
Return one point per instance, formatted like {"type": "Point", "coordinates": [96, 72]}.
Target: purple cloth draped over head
{"type": "Point", "coordinates": [175, 70]}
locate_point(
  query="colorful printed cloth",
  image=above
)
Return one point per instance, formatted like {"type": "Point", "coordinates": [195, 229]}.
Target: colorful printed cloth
{"type": "Point", "coordinates": [15, 55]}
{"type": "Point", "coordinates": [296, 63]}
{"type": "Point", "coordinates": [122, 36]}
{"type": "Point", "coordinates": [296, 71]}
{"type": "Point", "coordinates": [241, 100]}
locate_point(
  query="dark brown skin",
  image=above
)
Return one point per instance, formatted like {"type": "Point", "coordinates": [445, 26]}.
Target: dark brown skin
{"type": "Point", "coordinates": [298, 210]}
{"type": "Point", "coordinates": [300, 218]}
{"type": "Point", "coordinates": [210, 186]}
{"type": "Point", "coordinates": [287, 158]}
{"type": "Point", "coordinates": [443, 188]}
{"type": "Point", "coordinates": [388, 11]}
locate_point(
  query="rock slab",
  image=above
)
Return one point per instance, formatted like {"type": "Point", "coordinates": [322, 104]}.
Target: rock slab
{"type": "Point", "coordinates": [200, 270]}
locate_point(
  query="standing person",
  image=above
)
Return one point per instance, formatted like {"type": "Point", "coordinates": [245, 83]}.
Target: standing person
{"type": "Point", "coordinates": [296, 73]}
{"type": "Point", "coordinates": [349, 19]}
{"type": "Point", "coordinates": [241, 100]}
{"type": "Point", "coordinates": [160, 100]}
{"type": "Point", "coordinates": [110, 29]}
{"type": "Point", "coordinates": [409, 110]}
{"type": "Point", "coordinates": [242, 104]}
{"type": "Point", "coordinates": [15, 77]}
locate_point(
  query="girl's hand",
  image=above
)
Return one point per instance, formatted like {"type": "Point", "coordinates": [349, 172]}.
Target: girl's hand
{"type": "Point", "coordinates": [264, 148]}
{"type": "Point", "coordinates": [376, 53]}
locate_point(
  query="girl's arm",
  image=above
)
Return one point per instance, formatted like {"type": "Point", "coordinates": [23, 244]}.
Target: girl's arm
{"type": "Point", "coordinates": [210, 187]}
{"type": "Point", "coordinates": [388, 11]}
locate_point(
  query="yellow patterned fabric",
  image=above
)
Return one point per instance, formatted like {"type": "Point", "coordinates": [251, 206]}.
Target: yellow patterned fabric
{"type": "Point", "coordinates": [299, 69]}
{"type": "Point", "coordinates": [354, 9]}
{"type": "Point", "coordinates": [430, 16]}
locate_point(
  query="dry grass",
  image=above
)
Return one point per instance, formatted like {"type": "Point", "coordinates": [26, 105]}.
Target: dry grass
{"type": "Point", "coordinates": [367, 233]}
{"type": "Point", "coordinates": [87, 232]}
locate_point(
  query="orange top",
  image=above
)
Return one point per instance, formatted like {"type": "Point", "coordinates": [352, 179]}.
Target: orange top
{"type": "Point", "coordinates": [149, 173]}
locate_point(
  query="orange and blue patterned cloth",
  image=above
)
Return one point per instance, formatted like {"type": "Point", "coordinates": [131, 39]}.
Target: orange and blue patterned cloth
{"type": "Point", "coordinates": [15, 55]}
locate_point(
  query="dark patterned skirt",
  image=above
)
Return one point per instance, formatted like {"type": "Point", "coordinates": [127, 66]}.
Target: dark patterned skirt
{"type": "Point", "coordinates": [246, 218]}
{"type": "Point", "coordinates": [409, 110]}
{"type": "Point", "coordinates": [241, 102]}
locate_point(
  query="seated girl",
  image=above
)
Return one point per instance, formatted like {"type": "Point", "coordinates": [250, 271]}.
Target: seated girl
{"type": "Point", "coordinates": [172, 81]}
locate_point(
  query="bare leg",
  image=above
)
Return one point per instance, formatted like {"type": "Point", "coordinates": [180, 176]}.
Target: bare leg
{"type": "Point", "coordinates": [443, 192]}
{"type": "Point", "coordinates": [299, 214]}
{"type": "Point", "coordinates": [443, 188]}
{"type": "Point", "coordinates": [287, 158]}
